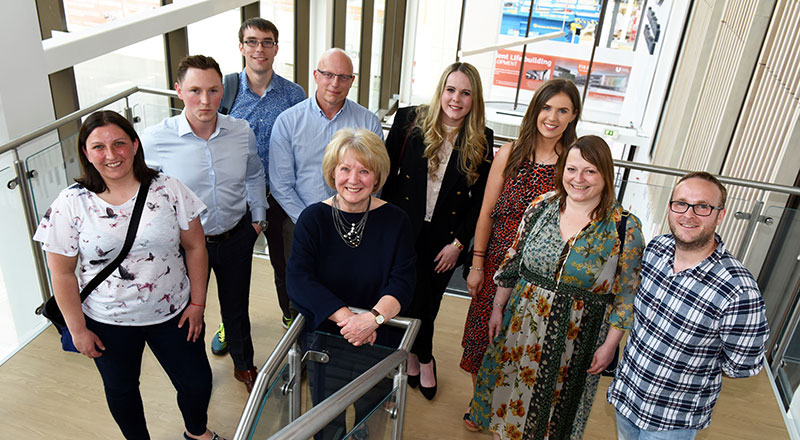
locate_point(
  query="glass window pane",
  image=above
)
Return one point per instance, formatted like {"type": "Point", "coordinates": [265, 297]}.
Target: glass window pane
{"type": "Point", "coordinates": [140, 64]}
{"type": "Point", "coordinates": [83, 14]}
{"type": "Point", "coordinates": [352, 41]}
{"type": "Point", "coordinates": [281, 14]}
{"type": "Point", "coordinates": [218, 37]}
{"type": "Point", "coordinates": [378, 23]}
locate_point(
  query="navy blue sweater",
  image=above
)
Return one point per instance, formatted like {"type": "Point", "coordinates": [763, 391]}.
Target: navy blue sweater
{"type": "Point", "coordinates": [325, 274]}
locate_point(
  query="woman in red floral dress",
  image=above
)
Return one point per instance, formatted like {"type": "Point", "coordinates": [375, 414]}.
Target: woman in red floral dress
{"type": "Point", "coordinates": [521, 171]}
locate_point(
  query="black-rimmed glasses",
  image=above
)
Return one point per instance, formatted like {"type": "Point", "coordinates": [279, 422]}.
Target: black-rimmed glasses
{"type": "Point", "coordinates": [330, 76]}
{"type": "Point", "coordinates": [700, 209]}
{"type": "Point", "coordinates": [264, 43]}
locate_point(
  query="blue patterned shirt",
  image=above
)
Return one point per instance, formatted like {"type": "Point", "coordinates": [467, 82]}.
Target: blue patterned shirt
{"type": "Point", "coordinates": [298, 143]}
{"type": "Point", "coordinates": [689, 328]}
{"type": "Point", "coordinates": [261, 111]}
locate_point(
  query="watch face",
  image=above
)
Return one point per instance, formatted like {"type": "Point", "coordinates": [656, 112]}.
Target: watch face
{"type": "Point", "coordinates": [379, 319]}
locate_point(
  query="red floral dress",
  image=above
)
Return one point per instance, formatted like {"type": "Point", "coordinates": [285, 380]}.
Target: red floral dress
{"type": "Point", "coordinates": [531, 181]}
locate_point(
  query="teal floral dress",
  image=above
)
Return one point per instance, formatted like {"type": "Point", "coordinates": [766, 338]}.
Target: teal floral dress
{"type": "Point", "coordinates": [533, 383]}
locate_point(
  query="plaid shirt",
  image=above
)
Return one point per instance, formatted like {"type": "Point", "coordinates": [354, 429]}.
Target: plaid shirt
{"type": "Point", "coordinates": [688, 329]}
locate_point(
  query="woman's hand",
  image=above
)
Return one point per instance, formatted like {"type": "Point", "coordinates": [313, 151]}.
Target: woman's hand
{"type": "Point", "coordinates": [474, 282]}
{"type": "Point", "coordinates": [447, 258]}
{"type": "Point", "coordinates": [602, 358]}
{"type": "Point", "coordinates": [193, 314]}
{"type": "Point", "coordinates": [88, 343]}
{"type": "Point", "coordinates": [495, 322]}
{"type": "Point", "coordinates": [359, 329]}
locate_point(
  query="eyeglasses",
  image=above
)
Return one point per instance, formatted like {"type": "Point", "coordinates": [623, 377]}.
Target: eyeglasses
{"type": "Point", "coordinates": [700, 209]}
{"type": "Point", "coordinates": [342, 76]}
{"type": "Point", "coordinates": [265, 43]}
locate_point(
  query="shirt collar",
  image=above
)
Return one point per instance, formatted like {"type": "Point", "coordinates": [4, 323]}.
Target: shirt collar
{"type": "Point", "coordinates": [244, 84]}
{"type": "Point", "coordinates": [318, 110]}
{"type": "Point", "coordinates": [184, 128]}
{"type": "Point", "coordinates": [702, 268]}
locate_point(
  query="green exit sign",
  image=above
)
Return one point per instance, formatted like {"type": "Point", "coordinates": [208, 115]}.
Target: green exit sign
{"type": "Point", "coordinates": [609, 132]}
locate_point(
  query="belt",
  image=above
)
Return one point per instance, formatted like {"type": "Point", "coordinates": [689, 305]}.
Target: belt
{"type": "Point", "coordinates": [226, 235]}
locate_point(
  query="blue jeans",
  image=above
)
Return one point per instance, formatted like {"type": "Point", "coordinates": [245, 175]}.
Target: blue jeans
{"type": "Point", "coordinates": [626, 430]}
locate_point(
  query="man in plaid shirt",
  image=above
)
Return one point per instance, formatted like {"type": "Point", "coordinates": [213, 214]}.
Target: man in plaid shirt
{"type": "Point", "coordinates": [698, 314]}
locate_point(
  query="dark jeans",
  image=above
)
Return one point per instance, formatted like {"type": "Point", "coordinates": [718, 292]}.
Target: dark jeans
{"type": "Point", "coordinates": [232, 262]}
{"type": "Point", "coordinates": [277, 255]}
{"type": "Point", "coordinates": [346, 363]}
{"type": "Point", "coordinates": [428, 294]}
{"type": "Point", "coordinates": [185, 363]}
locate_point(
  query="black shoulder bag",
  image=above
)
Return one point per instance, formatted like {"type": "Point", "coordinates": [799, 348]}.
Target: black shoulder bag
{"type": "Point", "coordinates": [621, 226]}
{"type": "Point", "coordinates": [50, 308]}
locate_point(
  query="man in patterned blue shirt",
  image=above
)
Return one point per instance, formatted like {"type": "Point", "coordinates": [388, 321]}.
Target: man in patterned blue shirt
{"type": "Point", "coordinates": [261, 96]}
{"type": "Point", "coordinates": [698, 314]}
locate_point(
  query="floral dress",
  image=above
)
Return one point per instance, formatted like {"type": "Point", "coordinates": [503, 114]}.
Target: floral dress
{"type": "Point", "coordinates": [531, 181]}
{"type": "Point", "coordinates": [533, 382]}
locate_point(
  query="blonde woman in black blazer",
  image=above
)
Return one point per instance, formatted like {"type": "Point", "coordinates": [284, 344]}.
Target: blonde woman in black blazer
{"type": "Point", "coordinates": [441, 154]}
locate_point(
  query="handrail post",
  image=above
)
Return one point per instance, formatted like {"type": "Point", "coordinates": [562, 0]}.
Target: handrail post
{"type": "Point", "coordinates": [295, 374]}
{"type": "Point", "coordinates": [400, 382]}
{"type": "Point", "coordinates": [30, 222]}
{"type": "Point", "coordinates": [752, 222]}
{"type": "Point", "coordinates": [128, 110]}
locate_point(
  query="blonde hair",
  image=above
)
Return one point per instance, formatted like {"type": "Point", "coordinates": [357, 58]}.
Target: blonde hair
{"type": "Point", "coordinates": [367, 148]}
{"type": "Point", "coordinates": [471, 140]}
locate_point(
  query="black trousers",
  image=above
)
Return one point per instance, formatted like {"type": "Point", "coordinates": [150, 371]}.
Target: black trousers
{"type": "Point", "coordinates": [276, 216]}
{"type": "Point", "coordinates": [232, 262]}
{"type": "Point", "coordinates": [428, 293]}
{"type": "Point", "coordinates": [120, 366]}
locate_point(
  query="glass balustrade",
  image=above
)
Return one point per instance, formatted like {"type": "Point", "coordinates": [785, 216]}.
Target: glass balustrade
{"type": "Point", "coordinates": [273, 411]}
{"type": "Point", "coordinates": [377, 425]}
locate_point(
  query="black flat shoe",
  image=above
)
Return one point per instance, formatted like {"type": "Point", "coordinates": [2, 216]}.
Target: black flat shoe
{"type": "Point", "coordinates": [413, 381]}
{"type": "Point", "coordinates": [430, 392]}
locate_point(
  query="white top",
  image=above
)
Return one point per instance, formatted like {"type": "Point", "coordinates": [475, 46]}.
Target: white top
{"type": "Point", "coordinates": [435, 181]}
{"type": "Point", "coordinates": [151, 284]}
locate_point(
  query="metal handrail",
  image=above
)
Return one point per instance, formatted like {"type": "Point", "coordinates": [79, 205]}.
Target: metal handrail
{"type": "Point", "coordinates": [329, 406]}
{"type": "Point", "coordinates": [318, 417]}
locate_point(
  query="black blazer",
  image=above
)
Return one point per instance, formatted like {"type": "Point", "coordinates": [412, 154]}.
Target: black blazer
{"type": "Point", "coordinates": [458, 204]}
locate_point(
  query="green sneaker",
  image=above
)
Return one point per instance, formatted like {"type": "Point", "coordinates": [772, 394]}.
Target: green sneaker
{"type": "Point", "coordinates": [286, 322]}
{"type": "Point", "coordinates": [219, 346]}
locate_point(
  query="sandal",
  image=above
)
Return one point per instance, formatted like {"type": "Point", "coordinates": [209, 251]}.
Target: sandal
{"type": "Point", "coordinates": [469, 424]}
{"type": "Point", "coordinates": [214, 436]}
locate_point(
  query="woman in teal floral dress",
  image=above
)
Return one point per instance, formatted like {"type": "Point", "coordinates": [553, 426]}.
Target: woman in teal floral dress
{"type": "Point", "coordinates": [564, 299]}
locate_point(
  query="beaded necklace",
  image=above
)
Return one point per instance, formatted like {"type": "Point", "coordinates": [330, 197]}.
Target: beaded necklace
{"type": "Point", "coordinates": [353, 233]}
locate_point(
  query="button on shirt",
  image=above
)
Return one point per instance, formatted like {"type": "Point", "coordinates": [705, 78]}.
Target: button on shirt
{"type": "Point", "coordinates": [261, 111]}
{"type": "Point", "coordinates": [297, 146]}
{"type": "Point", "coordinates": [689, 328]}
{"type": "Point", "coordinates": [224, 171]}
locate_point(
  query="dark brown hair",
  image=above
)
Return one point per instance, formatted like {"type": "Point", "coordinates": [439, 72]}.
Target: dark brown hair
{"type": "Point", "coordinates": [595, 151]}
{"type": "Point", "coordinates": [201, 62]}
{"type": "Point", "coordinates": [260, 24]}
{"type": "Point", "coordinates": [707, 177]}
{"type": "Point", "coordinates": [525, 145]}
{"type": "Point", "coordinates": [90, 177]}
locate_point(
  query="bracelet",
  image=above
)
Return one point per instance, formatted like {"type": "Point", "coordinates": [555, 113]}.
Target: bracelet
{"type": "Point", "coordinates": [502, 306]}
{"type": "Point", "coordinates": [195, 304]}
{"type": "Point", "coordinates": [458, 244]}
{"type": "Point", "coordinates": [479, 269]}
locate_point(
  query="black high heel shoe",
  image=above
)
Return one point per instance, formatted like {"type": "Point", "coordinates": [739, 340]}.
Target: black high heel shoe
{"type": "Point", "coordinates": [413, 381]}
{"type": "Point", "coordinates": [430, 392]}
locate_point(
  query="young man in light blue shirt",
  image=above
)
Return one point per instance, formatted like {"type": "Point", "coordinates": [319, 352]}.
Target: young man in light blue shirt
{"type": "Point", "coordinates": [215, 156]}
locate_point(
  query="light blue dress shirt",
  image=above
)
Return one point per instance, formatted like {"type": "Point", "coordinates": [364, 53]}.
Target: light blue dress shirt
{"type": "Point", "coordinates": [297, 146]}
{"type": "Point", "coordinates": [261, 111]}
{"type": "Point", "coordinates": [224, 171]}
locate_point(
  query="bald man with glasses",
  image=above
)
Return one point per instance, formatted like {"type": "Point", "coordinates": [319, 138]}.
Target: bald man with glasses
{"type": "Point", "coordinates": [301, 134]}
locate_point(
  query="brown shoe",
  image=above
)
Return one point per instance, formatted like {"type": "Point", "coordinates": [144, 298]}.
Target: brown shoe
{"type": "Point", "coordinates": [246, 376]}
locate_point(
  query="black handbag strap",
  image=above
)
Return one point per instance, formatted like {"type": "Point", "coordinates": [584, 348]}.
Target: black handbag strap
{"type": "Point", "coordinates": [138, 207]}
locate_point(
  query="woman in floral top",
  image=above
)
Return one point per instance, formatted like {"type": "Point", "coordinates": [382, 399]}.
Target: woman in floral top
{"type": "Point", "coordinates": [564, 298]}
{"type": "Point", "coordinates": [154, 297]}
